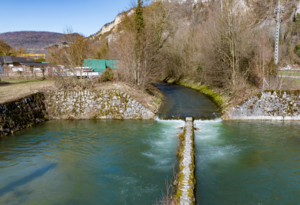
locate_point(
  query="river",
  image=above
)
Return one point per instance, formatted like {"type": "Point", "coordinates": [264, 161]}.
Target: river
{"type": "Point", "coordinates": [181, 102]}
{"type": "Point", "coordinates": [88, 162]}
{"type": "Point", "coordinates": [254, 162]}
{"type": "Point", "coordinates": [128, 162]}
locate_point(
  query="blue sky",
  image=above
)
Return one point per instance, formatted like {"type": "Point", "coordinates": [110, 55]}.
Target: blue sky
{"type": "Point", "coordinates": [85, 17]}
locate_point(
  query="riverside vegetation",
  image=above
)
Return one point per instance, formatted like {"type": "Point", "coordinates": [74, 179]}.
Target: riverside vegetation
{"type": "Point", "coordinates": [223, 52]}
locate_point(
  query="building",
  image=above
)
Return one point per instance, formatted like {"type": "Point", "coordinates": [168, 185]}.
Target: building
{"type": "Point", "coordinates": [34, 56]}
{"type": "Point", "coordinates": [11, 65]}
{"type": "Point", "coordinates": [99, 65]}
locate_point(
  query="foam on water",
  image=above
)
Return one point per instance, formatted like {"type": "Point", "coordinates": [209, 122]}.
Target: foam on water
{"type": "Point", "coordinates": [247, 162]}
{"type": "Point", "coordinates": [169, 120]}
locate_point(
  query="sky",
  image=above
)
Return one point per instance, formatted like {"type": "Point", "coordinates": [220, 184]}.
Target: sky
{"type": "Point", "coordinates": [85, 17]}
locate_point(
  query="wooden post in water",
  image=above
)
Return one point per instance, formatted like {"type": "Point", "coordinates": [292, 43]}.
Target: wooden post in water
{"type": "Point", "coordinates": [186, 176]}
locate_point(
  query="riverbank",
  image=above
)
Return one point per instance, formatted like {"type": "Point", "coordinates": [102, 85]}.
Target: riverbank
{"type": "Point", "coordinates": [14, 89]}
{"type": "Point", "coordinates": [225, 101]}
{"type": "Point", "coordinates": [30, 106]}
{"type": "Point", "coordinates": [114, 100]}
{"type": "Point", "coordinates": [23, 113]}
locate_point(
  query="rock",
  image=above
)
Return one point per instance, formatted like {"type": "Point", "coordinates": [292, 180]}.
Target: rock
{"type": "Point", "coordinates": [101, 102]}
{"type": "Point", "coordinates": [271, 105]}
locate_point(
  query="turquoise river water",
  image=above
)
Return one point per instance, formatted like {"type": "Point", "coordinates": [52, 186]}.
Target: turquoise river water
{"type": "Point", "coordinates": [88, 162]}
{"type": "Point", "coordinates": [128, 162]}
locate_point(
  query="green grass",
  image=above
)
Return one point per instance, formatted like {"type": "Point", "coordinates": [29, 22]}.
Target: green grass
{"type": "Point", "coordinates": [289, 73]}
{"type": "Point", "coordinates": [296, 82]}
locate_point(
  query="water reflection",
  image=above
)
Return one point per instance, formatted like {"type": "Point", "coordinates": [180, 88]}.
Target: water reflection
{"type": "Point", "coordinates": [38, 173]}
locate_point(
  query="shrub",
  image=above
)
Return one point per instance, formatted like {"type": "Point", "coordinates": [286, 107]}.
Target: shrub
{"type": "Point", "coordinates": [297, 50]}
{"type": "Point", "coordinates": [108, 74]}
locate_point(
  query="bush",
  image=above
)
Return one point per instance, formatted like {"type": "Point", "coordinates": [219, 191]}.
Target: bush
{"type": "Point", "coordinates": [297, 50]}
{"type": "Point", "coordinates": [107, 75]}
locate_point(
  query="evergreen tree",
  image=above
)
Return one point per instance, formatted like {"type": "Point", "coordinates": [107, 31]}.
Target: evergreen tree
{"type": "Point", "coordinates": [139, 19]}
{"type": "Point", "coordinates": [139, 25]}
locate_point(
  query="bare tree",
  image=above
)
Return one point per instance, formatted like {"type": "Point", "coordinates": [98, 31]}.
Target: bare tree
{"type": "Point", "coordinates": [139, 47]}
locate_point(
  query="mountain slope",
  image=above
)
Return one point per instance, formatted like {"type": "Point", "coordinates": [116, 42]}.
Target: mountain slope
{"type": "Point", "coordinates": [31, 39]}
{"type": "Point", "coordinates": [4, 46]}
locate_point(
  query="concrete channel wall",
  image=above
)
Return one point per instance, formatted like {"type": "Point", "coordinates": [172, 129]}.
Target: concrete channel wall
{"type": "Point", "coordinates": [22, 113]}
{"type": "Point", "coordinates": [186, 176]}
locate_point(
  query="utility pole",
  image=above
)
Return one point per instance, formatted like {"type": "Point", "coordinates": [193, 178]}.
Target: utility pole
{"type": "Point", "coordinates": [278, 11]}
{"type": "Point", "coordinates": [222, 6]}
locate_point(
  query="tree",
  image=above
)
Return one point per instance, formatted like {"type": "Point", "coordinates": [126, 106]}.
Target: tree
{"type": "Point", "coordinates": [227, 46]}
{"type": "Point", "coordinates": [20, 51]}
{"type": "Point", "coordinates": [139, 47]}
{"type": "Point", "coordinates": [139, 26]}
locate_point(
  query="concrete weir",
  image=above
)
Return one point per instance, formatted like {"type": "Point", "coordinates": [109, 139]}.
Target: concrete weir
{"type": "Point", "coordinates": [186, 176]}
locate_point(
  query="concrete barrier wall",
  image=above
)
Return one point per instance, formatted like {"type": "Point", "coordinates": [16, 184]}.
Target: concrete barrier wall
{"type": "Point", "coordinates": [22, 113]}
{"type": "Point", "coordinates": [268, 105]}
{"type": "Point", "coordinates": [186, 176]}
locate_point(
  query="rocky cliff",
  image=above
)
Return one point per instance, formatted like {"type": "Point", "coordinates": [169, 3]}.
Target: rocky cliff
{"type": "Point", "coordinates": [111, 27]}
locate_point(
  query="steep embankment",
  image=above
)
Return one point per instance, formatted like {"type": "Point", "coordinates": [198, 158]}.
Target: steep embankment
{"type": "Point", "coordinates": [22, 113]}
{"type": "Point", "coordinates": [91, 104]}
{"type": "Point", "coordinates": [268, 105]}
{"type": "Point", "coordinates": [110, 101]}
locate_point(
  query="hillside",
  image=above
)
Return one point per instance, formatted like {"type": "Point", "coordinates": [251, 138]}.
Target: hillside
{"type": "Point", "coordinates": [30, 39]}
{"type": "Point", "coordinates": [4, 46]}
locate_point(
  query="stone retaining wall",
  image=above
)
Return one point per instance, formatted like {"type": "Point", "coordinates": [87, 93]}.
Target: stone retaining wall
{"type": "Point", "coordinates": [268, 105]}
{"type": "Point", "coordinates": [186, 176]}
{"type": "Point", "coordinates": [104, 104]}
{"type": "Point", "coordinates": [22, 113]}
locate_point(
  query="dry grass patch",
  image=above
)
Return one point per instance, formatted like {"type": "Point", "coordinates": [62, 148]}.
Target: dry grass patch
{"type": "Point", "coordinates": [11, 89]}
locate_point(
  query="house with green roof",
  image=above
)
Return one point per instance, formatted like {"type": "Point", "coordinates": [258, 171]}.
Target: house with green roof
{"type": "Point", "coordinates": [99, 65]}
